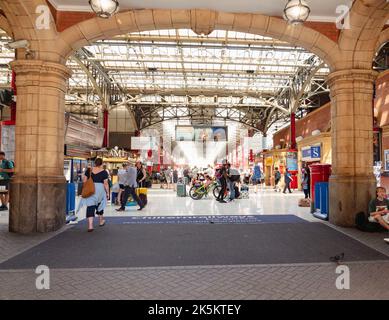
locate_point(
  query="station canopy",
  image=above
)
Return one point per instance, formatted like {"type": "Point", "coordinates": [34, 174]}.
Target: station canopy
{"type": "Point", "coordinates": [177, 74]}
{"type": "Point", "coordinates": [231, 75]}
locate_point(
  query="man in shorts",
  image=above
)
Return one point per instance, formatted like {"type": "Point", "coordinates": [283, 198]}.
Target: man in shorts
{"type": "Point", "coordinates": [6, 171]}
{"type": "Point", "coordinates": [379, 209]}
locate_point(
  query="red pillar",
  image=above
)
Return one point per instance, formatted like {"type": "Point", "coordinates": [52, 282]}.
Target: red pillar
{"type": "Point", "coordinates": [13, 103]}
{"type": "Point", "coordinates": [293, 131]}
{"type": "Point", "coordinates": [105, 125]}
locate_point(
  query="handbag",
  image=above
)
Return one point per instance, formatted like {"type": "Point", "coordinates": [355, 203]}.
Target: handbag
{"type": "Point", "coordinates": [88, 189]}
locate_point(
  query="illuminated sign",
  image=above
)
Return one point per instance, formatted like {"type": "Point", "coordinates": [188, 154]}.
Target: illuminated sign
{"type": "Point", "coordinates": [311, 153]}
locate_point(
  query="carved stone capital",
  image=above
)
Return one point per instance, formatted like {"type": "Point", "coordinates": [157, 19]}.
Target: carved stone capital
{"type": "Point", "coordinates": [34, 67]}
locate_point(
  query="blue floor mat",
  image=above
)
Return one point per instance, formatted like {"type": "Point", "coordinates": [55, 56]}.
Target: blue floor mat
{"type": "Point", "coordinates": [204, 219]}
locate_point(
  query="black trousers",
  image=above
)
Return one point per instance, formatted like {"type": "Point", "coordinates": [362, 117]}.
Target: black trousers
{"type": "Point", "coordinates": [127, 192]}
{"type": "Point", "coordinates": [91, 210]}
{"type": "Point", "coordinates": [287, 186]}
{"type": "Point", "coordinates": [307, 193]}
{"type": "Point", "coordinates": [223, 183]}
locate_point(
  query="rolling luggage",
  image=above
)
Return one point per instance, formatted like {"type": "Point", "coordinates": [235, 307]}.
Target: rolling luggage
{"type": "Point", "coordinates": [143, 198]}
{"type": "Point", "coordinates": [244, 192]}
{"type": "Point", "coordinates": [181, 190]}
{"type": "Point", "coordinates": [140, 191]}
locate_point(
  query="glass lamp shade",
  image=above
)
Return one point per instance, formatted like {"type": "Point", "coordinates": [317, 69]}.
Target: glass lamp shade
{"type": "Point", "coordinates": [296, 11]}
{"type": "Point", "coordinates": [104, 8]}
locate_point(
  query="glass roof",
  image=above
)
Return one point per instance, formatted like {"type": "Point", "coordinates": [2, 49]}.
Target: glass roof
{"type": "Point", "coordinates": [182, 61]}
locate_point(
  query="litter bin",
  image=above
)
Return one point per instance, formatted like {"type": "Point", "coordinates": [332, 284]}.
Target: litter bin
{"type": "Point", "coordinates": [70, 202]}
{"type": "Point", "coordinates": [321, 204]}
{"type": "Point", "coordinates": [319, 173]}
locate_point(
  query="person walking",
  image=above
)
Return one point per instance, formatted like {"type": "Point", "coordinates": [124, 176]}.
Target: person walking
{"type": "Point", "coordinates": [109, 181]}
{"type": "Point", "coordinates": [97, 202]}
{"type": "Point", "coordinates": [6, 172]}
{"type": "Point", "coordinates": [175, 179]}
{"type": "Point", "coordinates": [277, 178]}
{"type": "Point", "coordinates": [130, 185]}
{"type": "Point", "coordinates": [169, 176]}
{"type": "Point", "coordinates": [140, 174]}
{"type": "Point", "coordinates": [223, 181]}
{"type": "Point", "coordinates": [121, 177]}
{"type": "Point", "coordinates": [256, 178]}
{"type": "Point", "coordinates": [288, 180]}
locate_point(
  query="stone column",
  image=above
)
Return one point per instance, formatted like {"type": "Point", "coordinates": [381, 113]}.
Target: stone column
{"type": "Point", "coordinates": [38, 189]}
{"type": "Point", "coordinates": [352, 183]}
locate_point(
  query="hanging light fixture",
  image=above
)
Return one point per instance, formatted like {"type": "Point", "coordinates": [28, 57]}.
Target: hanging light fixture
{"type": "Point", "coordinates": [104, 8]}
{"type": "Point", "coordinates": [296, 11]}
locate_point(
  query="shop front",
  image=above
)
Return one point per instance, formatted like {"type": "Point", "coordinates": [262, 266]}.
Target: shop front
{"type": "Point", "coordinates": [313, 150]}
{"type": "Point", "coordinates": [276, 158]}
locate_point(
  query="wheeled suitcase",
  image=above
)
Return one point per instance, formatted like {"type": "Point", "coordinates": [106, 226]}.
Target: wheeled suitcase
{"type": "Point", "coordinates": [140, 191]}
{"type": "Point", "coordinates": [244, 192]}
{"type": "Point", "coordinates": [142, 194]}
{"type": "Point", "coordinates": [181, 190]}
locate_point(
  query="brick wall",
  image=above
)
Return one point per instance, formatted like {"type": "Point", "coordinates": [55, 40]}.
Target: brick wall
{"type": "Point", "coordinates": [328, 29]}
{"type": "Point", "coordinates": [66, 19]}
{"type": "Point", "coordinates": [316, 120]}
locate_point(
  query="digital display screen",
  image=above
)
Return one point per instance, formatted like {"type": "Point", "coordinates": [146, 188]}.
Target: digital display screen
{"type": "Point", "coordinates": [201, 134]}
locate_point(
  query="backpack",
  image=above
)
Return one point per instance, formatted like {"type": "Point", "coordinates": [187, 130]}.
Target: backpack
{"type": "Point", "coordinates": [218, 174]}
{"type": "Point", "coordinates": [362, 223]}
{"type": "Point", "coordinates": [234, 175]}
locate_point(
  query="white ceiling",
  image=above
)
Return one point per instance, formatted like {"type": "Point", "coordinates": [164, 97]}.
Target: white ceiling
{"type": "Point", "coordinates": [321, 10]}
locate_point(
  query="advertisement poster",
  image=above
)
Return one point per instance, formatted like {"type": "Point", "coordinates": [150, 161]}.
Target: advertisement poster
{"type": "Point", "coordinates": [184, 133]}
{"type": "Point", "coordinates": [291, 161]}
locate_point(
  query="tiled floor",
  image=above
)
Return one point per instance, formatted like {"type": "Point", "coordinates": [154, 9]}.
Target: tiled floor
{"type": "Point", "coordinates": [294, 281]}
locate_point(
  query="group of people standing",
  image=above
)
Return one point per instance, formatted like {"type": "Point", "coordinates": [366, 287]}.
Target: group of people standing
{"type": "Point", "coordinates": [227, 177]}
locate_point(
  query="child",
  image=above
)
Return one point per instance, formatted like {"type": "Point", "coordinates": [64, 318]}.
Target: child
{"type": "Point", "coordinates": [115, 193]}
{"type": "Point", "coordinates": [379, 209]}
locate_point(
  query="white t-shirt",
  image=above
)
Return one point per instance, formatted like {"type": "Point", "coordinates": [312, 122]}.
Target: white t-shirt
{"type": "Point", "coordinates": [121, 172]}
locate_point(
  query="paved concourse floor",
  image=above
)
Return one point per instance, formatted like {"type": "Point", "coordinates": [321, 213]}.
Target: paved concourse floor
{"type": "Point", "coordinates": [283, 254]}
{"type": "Point", "coordinates": [164, 202]}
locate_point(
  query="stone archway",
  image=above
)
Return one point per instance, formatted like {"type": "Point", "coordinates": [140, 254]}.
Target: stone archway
{"type": "Point", "coordinates": [201, 22]}
{"type": "Point", "coordinates": [42, 84]}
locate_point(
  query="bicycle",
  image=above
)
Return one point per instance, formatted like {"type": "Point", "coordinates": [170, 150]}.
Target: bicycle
{"type": "Point", "coordinates": [198, 191]}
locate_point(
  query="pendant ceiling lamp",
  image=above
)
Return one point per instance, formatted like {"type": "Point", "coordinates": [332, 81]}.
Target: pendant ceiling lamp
{"type": "Point", "coordinates": [104, 8]}
{"type": "Point", "coordinates": [296, 11]}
